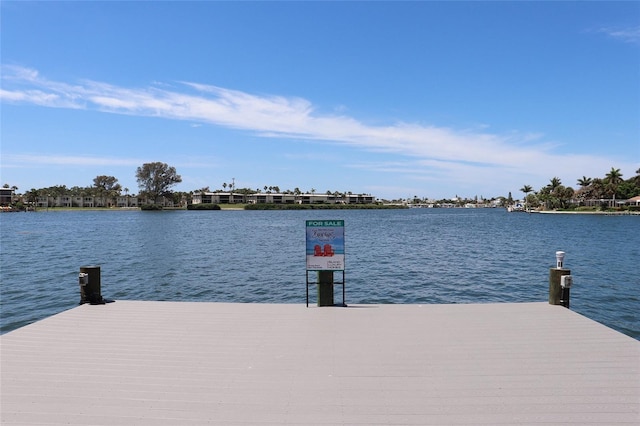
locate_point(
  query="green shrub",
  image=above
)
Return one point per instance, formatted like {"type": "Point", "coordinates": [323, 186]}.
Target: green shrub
{"type": "Point", "coordinates": [203, 206]}
{"type": "Point", "coordinates": [150, 207]}
{"type": "Point", "coordinates": [317, 206]}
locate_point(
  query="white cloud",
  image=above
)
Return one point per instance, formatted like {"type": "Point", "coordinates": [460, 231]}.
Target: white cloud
{"type": "Point", "coordinates": [268, 116]}
{"type": "Point", "coordinates": [628, 35]}
{"type": "Point", "coordinates": [21, 160]}
{"type": "Point", "coordinates": [18, 73]}
{"type": "Point", "coordinates": [460, 155]}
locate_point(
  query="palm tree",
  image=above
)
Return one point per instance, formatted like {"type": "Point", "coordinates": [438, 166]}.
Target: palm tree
{"type": "Point", "coordinates": [32, 197]}
{"type": "Point", "coordinates": [614, 179]}
{"type": "Point", "coordinates": [526, 189]}
{"type": "Point", "coordinates": [554, 183]}
{"type": "Point", "coordinates": [585, 181]}
{"type": "Point", "coordinates": [585, 188]}
{"type": "Point", "coordinates": [597, 188]}
{"type": "Point", "coordinates": [566, 194]}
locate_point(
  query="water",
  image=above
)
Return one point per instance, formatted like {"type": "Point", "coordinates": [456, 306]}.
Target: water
{"type": "Point", "coordinates": [392, 256]}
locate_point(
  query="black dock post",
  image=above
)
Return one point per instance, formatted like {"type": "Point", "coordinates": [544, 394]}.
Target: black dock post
{"type": "Point", "coordinates": [89, 280]}
{"type": "Point", "coordinates": [325, 288]}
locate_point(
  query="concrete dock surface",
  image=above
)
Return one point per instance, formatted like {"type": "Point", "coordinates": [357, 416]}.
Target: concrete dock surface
{"type": "Point", "coordinates": [191, 363]}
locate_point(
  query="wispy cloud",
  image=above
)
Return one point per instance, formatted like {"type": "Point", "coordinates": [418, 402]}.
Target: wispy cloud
{"type": "Point", "coordinates": [35, 160]}
{"type": "Point", "coordinates": [268, 116]}
{"type": "Point", "coordinates": [455, 152]}
{"type": "Point", "coordinates": [627, 35]}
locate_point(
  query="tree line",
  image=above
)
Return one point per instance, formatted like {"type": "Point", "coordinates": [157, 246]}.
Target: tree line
{"type": "Point", "coordinates": [155, 180]}
{"type": "Point", "coordinates": [555, 195]}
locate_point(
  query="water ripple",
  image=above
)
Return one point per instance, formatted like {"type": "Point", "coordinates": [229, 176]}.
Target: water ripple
{"type": "Point", "coordinates": [398, 256]}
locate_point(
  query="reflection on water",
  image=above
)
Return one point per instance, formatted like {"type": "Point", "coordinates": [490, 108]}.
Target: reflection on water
{"type": "Point", "coordinates": [392, 256]}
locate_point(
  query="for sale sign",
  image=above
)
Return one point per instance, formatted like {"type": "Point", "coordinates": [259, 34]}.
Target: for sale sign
{"type": "Point", "coordinates": [325, 245]}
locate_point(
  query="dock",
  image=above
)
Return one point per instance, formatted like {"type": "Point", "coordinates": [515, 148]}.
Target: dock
{"type": "Point", "coordinates": [200, 363]}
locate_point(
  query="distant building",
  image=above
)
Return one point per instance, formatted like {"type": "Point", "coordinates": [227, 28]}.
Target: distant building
{"type": "Point", "coordinates": [635, 201]}
{"type": "Point", "coordinates": [360, 199]}
{"type": "Point", "coordinates": [280, 198]}
{"type": "Point", "coordinates": [127, 201]}
{"type": "Point", "coordinates": [6, 196]}
{"type": "Point", "coordinates": [270, 198]}
{"type": "Point", "coordinates": [217, 198]}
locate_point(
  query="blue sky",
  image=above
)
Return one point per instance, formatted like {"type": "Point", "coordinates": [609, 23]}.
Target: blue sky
{"type": "Point", "coordinates": [393, 99]}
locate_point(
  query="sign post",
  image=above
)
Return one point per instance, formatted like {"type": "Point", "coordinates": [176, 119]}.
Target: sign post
{"type": "Point", "coordinates": [325, 254]}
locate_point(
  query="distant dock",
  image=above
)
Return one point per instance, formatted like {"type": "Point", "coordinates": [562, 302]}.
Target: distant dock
{"type": "Point", "coordinates": [179, 363]}
{"type": "Point", "coordinates": [593, 213]}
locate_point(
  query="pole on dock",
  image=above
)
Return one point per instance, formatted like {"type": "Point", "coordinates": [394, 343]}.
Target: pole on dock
{"type": "Point", "coordinates": [89, 280]}
{"type": "Point", "coordinates": [325, 288]}
{"type": "Point", "coordinates": [560, 281]}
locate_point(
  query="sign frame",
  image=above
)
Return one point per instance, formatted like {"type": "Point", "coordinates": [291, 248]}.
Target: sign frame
{"type": "Point", "coordinates": [325, 251]}
{"type": "Point", "coordinates": [325, 245]}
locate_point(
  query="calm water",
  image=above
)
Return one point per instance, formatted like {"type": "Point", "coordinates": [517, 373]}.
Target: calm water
{"type": "Point", "coordinates": [392, 256]}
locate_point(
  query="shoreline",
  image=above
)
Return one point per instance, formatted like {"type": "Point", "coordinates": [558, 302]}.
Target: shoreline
{"type": "Point", "coordinates": [597, 213]}
{"type": "Point", "coordinates": [223, 207]}
{"type": "Point", "coordinates": [236, 208]}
